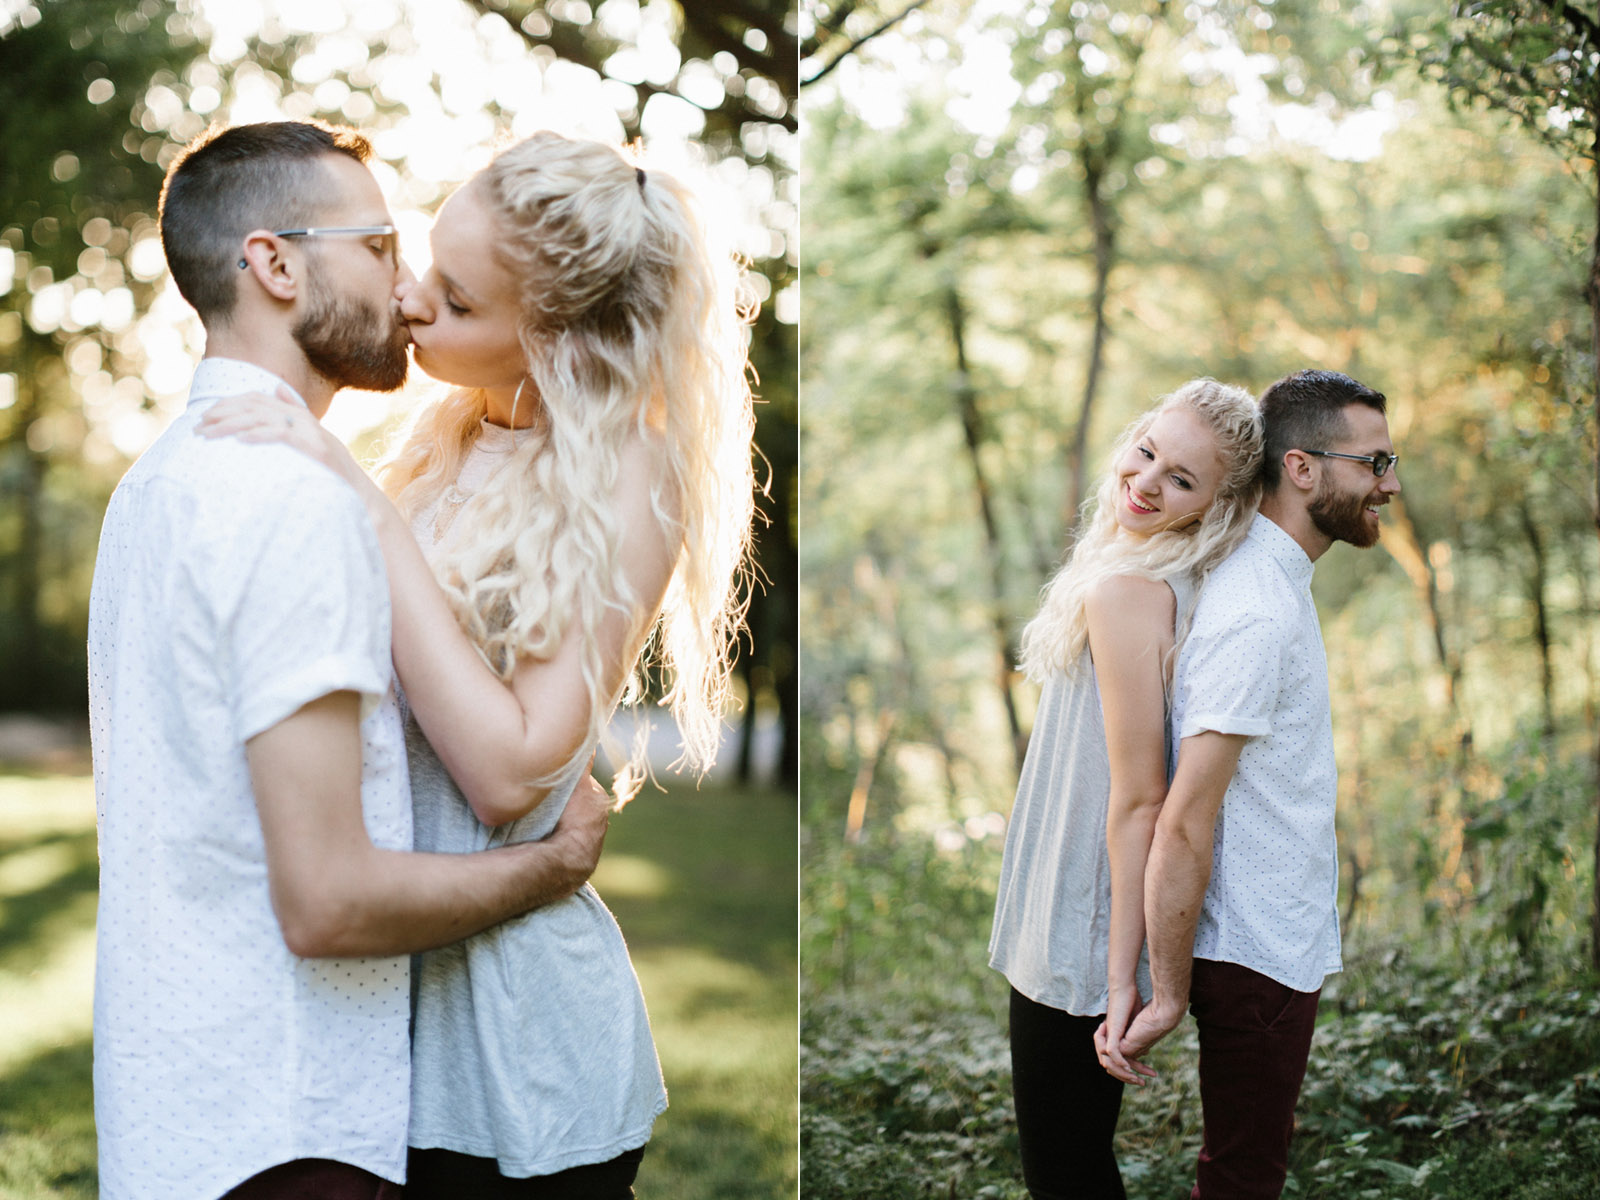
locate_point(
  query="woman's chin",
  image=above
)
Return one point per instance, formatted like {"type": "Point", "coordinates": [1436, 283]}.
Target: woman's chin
{"type": "Point", "coordinates": [1134, 525]}
{"type": "Point", "coordinates": [446, 374]}
{"type": "Point", "coordinates": [433, 370]}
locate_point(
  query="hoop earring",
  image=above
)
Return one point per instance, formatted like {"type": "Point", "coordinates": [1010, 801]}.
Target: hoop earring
{"type": "Point", "coordinates": [518, 396]}
{"type": "Point", "coordinates": [1189, 522]}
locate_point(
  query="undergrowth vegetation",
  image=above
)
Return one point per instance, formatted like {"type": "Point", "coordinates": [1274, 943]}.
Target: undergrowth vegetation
{"type": "Point", "coordinates": [1457, 1056]}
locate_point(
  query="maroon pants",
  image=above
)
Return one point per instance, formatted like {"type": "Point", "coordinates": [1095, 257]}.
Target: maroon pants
{"type": "Point", "coordinates": [1255, 1037]}
{"type": "Point", "coordinates": [315, 1179]}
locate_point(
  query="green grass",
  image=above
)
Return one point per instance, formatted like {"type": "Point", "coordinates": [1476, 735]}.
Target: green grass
{"type": "Point", "coordinates": [703, 884]}
{"type": "Point", "coordinates": [704, 887]}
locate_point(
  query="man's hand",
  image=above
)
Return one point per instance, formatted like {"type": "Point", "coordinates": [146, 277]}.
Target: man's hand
{"type": "Point", "coordinates": [1124, 1006]}
{"type": "Point", "coordinates": [581, 831]}
{"type": "Point", "coordinates": [1154, 1022]}
{"type": "Point", "coordinates": [336, 895]}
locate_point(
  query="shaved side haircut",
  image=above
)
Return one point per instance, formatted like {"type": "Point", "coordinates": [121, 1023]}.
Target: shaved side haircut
{"type": "Point", "coordinates": [231, 180]}
{"type": "Point", "coordinates": [1305, 411]}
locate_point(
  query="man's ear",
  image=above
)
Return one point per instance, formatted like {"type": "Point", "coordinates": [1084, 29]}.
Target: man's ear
{"type": "Point", "coordinates": [1299, 468]}
{"type": "Point", "coordinates": [263, 258]}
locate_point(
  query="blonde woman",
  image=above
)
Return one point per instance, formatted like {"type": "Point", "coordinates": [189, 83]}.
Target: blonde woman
{"type": "Point", "coordinates": [575, 510]}
{"type": "Point", "coordinates": [1069, 918]}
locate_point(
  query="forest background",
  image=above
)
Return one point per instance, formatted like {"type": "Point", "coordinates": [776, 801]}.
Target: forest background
{"type": "Point", "coordinates": [1023, 222]}
{"type": "Point", "coordinates": [96, 351]}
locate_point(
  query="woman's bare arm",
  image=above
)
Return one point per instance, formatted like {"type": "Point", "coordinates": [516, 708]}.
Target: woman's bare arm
{"type": "Point", "coordinates": [493, 739]}
{"type": "Point", "coordinates": [1130, 631]}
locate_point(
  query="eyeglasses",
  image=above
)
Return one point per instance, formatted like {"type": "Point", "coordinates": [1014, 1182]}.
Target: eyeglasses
{"type": "Point", "coordinates": [1380, 463]}
{"type": "Point", "coordinates": [391, 243]}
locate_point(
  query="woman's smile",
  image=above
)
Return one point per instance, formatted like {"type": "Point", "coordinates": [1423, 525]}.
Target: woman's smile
{"type": "Point", "coordinates": [1138, 505]}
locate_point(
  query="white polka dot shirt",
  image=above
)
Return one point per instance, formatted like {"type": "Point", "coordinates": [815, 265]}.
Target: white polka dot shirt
{"type": "Point", "coordinates": [1253, 664]}
{"type": "Point", "coordinates": [234, 584]}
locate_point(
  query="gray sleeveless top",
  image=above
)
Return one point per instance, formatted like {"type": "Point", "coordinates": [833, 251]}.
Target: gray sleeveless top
{"type": "Point", "coordinates": [1052, 918]}
{"type": "Point", "coordinates": [530, 1044]}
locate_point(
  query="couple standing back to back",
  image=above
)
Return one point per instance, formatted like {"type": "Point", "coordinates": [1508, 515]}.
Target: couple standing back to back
{"type": "Point", "coordinates": [1172, 844]}
{"type": "Point", "coordinates": [279, 831]}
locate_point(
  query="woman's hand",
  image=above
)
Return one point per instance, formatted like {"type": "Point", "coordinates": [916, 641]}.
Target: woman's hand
{"type": "Point", "coordinates": [259, 417]}
{"type": "Point", "coordinates": [1124, 1005]}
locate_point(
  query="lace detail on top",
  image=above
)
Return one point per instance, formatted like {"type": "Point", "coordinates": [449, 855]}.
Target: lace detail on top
{"type": "Point", "coordinates": [489, 452]}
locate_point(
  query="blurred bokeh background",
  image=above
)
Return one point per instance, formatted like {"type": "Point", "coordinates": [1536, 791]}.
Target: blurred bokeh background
{"type": "Point", "coordinates": [1024, 221]}
{"type": "Point", "coordinates": [96, 350]}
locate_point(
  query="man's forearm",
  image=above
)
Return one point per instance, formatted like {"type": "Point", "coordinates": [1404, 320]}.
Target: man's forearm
{"type": "Point", "coordinates": [1175, 888]}
{"type": "Point", "coordinates": [1176, 877]}
{"type": "Point", "coordinates": [395, 902]}
{"type": "Point", "coordinates": [336, 895]}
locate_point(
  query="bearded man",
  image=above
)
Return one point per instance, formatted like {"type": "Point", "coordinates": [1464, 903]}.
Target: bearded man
{"type": "Point", "coordinates": [258, 896]}
{"type": "Point", "coordinates": [1241, 887]}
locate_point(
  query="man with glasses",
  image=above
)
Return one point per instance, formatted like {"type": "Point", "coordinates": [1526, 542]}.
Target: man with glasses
{"type": "Point", "coordinates": [258, 897]}
{"type": "Point", "coordinates": [1241, 887]}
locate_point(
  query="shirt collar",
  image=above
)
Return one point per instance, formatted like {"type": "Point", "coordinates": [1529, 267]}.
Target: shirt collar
{"type": "Point", "coordinates": [218, 377]}
{"type": "Point", "coordinates": [1284, 550]}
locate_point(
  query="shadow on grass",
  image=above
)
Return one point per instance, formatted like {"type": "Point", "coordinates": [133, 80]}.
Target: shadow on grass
{"type": "Point", "coordinates": [69, 875]}
{"type": "Point", "coordinates": [47, 1144]}
{"type": "Point", "coordinates": [713, 933]}
{"type": "Point", "coordinates": [711, 1153]}
{"type": "Point", "coordinates": [729, 869]}
{"type": "Point", "coordinates": [713, 926]}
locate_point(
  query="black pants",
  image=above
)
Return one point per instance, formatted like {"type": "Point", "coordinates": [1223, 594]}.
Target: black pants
{"type": "Point", "coordinates": [314, 1179]}
{"type": "Point", "coordinates": [1067, 1104]}
{"type": "Point", "coordinates": [446, 1175]}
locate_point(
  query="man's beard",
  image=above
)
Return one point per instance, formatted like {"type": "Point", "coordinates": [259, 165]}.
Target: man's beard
{"type": "Point", "coordinates": [1342, 516]}
{"type": "Point", "coordinates": [351, 344]}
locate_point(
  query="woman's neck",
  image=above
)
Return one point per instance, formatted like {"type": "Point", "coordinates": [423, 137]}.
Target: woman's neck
{"type": "Point", "coordinates": [508, 409]}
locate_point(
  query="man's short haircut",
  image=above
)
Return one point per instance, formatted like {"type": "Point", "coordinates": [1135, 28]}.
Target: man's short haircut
{"type": "Point", "coordinates": [231, 180]}
{"type": "Point", "coordinates": [1305, 411]}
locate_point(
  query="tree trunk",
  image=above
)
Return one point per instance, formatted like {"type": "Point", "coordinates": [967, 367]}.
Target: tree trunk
{"type": "Point", "coordinates": [1591, 293]}
{"type": "Point", "coordinates": [1404, 545]}
{"type": "Point", "coordinates": [856, 814]}
{"type": "Point", "coordinates": [783, 569]}
{"type": "Point", "coordinates": [28, 676]}
{"type": "Point", "coordinates": [1104, 256]}
{"type": "Point", "coordinates": [966, 396]}
{"type": "Point", "coordinates": [1541, 618]}
{"type": "Point", "coordinates": [886, 586]}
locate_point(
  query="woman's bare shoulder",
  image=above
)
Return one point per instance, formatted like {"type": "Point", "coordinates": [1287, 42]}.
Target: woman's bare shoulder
{"type": "Point", "coordinates": [1131, 595]}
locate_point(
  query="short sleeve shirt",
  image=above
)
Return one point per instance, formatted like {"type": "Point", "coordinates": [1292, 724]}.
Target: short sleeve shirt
{"type": "Point", "coordinates": [1253, 664]}
{"type": "Point", "coordinates": [235, 583]}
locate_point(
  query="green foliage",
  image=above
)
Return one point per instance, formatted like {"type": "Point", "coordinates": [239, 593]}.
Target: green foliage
{"type": "Point", "coordinates": [98, 97]}
{"type": "Point", "coordinates": [1530, 833]}
{"type": "Point", "coordinates": [78, 189]}
{"type": "Point", "coordinates": [1532, 58]}
{"type": "Point", "coordinates": [922, 1110]}
{"type": "Point", "coordinates": [1424, 1054]}
{"type": "Point", "coordinates": [1434, 1044]}
{"type": "Point", "coordinates": [890, 911]}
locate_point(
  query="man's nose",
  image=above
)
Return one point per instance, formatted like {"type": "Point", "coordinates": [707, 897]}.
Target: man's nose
{"type": "Point", "coordinates": [410, 298]}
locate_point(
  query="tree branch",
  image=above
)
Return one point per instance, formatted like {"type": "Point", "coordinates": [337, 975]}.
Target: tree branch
{"type": "Point", "coordinates": [883, 27]}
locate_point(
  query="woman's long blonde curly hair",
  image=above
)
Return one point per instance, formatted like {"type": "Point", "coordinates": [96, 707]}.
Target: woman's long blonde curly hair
{"type": "Point", "coordinates": [1053, 642]}
{"type": "Point", "coordinates": [632, 324]}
